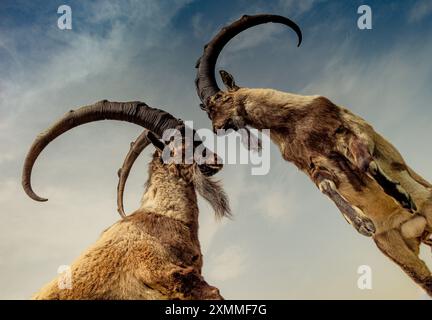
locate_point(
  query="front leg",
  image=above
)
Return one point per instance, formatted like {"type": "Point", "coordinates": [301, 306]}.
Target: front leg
{"type": "Point", "coordinates": [177, 282]}
{"type": "Point", "coordinates": [325, 181]}
{"type": "Point", "coordinates": [352, 214]}
{"type": "Point", "coordinates": [188, 283]}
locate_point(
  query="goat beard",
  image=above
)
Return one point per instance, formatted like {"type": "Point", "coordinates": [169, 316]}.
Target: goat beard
{"type": "Point", "coordinates": [212, 191]}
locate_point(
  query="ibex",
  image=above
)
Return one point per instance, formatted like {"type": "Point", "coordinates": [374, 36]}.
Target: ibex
{"type": "Point", "coordinates": [363, 173]}
{"type": "Point", "coordinates": [153, 253]}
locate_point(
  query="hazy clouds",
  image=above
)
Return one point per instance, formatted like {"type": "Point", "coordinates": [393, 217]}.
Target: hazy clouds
{"type": "Point", "coordinates": [286, 239]}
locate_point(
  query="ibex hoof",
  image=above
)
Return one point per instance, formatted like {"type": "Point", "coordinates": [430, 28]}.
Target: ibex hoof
{"type": "Point", "coordinates": [352, 214]}
{"type": "Point", "coordinates": [363, 224]}
{"type": "Point", "coordinates": [366, 228]}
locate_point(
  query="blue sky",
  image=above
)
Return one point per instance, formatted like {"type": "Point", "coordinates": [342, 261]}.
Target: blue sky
{"type": "Point", "coordinates": [287, 240]}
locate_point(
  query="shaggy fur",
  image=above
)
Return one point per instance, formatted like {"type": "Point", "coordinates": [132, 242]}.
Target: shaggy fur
{"type": "Point", "coordinates": [213, 192]}
{"type": "Point", "coordinates": [356, 167]}
{"type": "Point", "coordinates": [153, 253]}
{"type": "Point", "coordinates": [360, 171]}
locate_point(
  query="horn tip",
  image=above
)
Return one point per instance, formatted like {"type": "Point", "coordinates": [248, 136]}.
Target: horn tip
{"type": "Point", "coordinates": [121, 212]}
{"type": "Point", "coordinates": [39, 199]}
{"type": "Point", "coordinates": [33, 195]}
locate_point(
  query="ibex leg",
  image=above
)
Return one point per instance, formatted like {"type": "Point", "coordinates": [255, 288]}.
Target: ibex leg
{"type": "Point", "coordinates": [190, 284]}
{"type": "Point", "coordinates": [352, 214]}
{"type": "Point", "coordinates": [405, 254]}
{"type": "Point", "coordinates": [365, 162]}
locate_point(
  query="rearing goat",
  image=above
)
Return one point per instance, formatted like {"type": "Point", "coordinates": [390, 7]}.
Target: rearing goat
{"type": "Point", "coordinates": [363, 173]}
{"type": "Point", "coordinates": [154, 253]}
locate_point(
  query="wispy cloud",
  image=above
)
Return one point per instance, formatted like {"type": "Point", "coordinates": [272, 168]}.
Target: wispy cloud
{"type": "Point", "coordinates": [4, 157]}
{"type": "Point", "coordinates": [297, 7]}
{"type": "Point", "coordinates": [129, 50]}
{"type": "Point", "coordinates": [202, 27]}
{"type": "Point", "coordinates": [227, 265]}
{"type": "Point", "coordinates": [76, 67]}
{"type": "Point", "coordinates": [278, 205]}
{"type": "Point", "coordinates": [420, 10]}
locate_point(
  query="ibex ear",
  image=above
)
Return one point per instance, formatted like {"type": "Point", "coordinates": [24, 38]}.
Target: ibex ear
{"type": "Point", "coordinates": [228, 81]}
{"type": "Point", "coordinates": [155, 141]}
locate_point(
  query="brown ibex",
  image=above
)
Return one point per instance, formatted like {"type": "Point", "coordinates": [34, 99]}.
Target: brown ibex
{"type": "Point", "coordinates": [363, 173]}
{"type": "Point", "coordinates": [153, 253]}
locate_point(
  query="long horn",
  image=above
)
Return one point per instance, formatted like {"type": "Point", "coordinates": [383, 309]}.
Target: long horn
{"type": "Point", "coordinates": [134, 112]}
{"type": "Point", "coordinates": [205, 81]}
{"type": "Point", "coordinates": [136, 148]}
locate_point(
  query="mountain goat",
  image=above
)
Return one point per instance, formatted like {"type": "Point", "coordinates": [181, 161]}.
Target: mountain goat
{"type": "Point", "coordinates": [363, 173]}
{"type": "Point", "coordinates": [153, 253]}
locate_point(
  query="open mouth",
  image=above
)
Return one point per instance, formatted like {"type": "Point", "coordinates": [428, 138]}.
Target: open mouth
{"type": "Point", "coordinates": [209, 169]}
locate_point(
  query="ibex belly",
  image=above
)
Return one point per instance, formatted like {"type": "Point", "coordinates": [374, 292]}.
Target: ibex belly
{"type": "Point", "coordinates": [382, 209]}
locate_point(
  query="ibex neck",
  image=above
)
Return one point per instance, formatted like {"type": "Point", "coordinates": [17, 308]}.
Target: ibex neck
{"type": "Point", "coordinates": [269, 109]}
{"type": "Point", "coordinates": [169, 195]}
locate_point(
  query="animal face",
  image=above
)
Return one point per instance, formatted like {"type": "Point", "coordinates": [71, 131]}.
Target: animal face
{"type": "Point", "coordinates": [198, 175]}
{"type": "Point", "coordinates": [222, 111]}
{"type": "Point", "coordinates": [182, 154]}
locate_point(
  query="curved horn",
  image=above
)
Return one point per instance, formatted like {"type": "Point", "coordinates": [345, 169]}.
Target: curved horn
{"type": "Point", "coordinates": [205, 81]}
{"type": "Point", "coordinates": [136, 148]}
{"type": "Point", "coordinates": [134, 112]}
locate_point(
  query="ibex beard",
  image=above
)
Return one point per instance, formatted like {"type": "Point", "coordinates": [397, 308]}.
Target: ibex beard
{"type": "Point", "coordinates": [155, 252]}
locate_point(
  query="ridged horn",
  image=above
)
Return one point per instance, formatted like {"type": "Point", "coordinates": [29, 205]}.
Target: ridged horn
{"type": "Point", "coordinates": [135, 150]}
{"type": "Point", "coordinates": [134, 112]}
{"type": "Point", "coordinates": [205, 81]}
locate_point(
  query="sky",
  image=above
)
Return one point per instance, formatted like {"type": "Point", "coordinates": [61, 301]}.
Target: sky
{"type": "Point", "coordinates": [286, 240]}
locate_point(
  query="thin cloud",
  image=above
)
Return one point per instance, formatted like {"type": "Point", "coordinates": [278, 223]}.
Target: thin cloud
{"type": "Point", "coordinates": [132, 58]}
{"type": "Point", "coordinates": [297, 7]}
{"type": "Point", "coordinates": [278, 205]}
{"type": "Point", "coordinates": [420, 11]}
{"type": "Point", "coordinates": [229, 264]}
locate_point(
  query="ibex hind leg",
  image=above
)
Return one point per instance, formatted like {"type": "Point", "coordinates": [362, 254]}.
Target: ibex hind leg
{"type": "Point", "coordinates": [426, 212]}
{"type": "Point", "coordinates": [405, 254]}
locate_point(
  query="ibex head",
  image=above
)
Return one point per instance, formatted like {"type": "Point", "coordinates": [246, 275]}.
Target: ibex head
{"type": "Point", "coordinates": [155, 121]}
{"type": "Point", "coordinates": [186, 159]}
{"type": "Point", "coordinates": [224, 108]}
